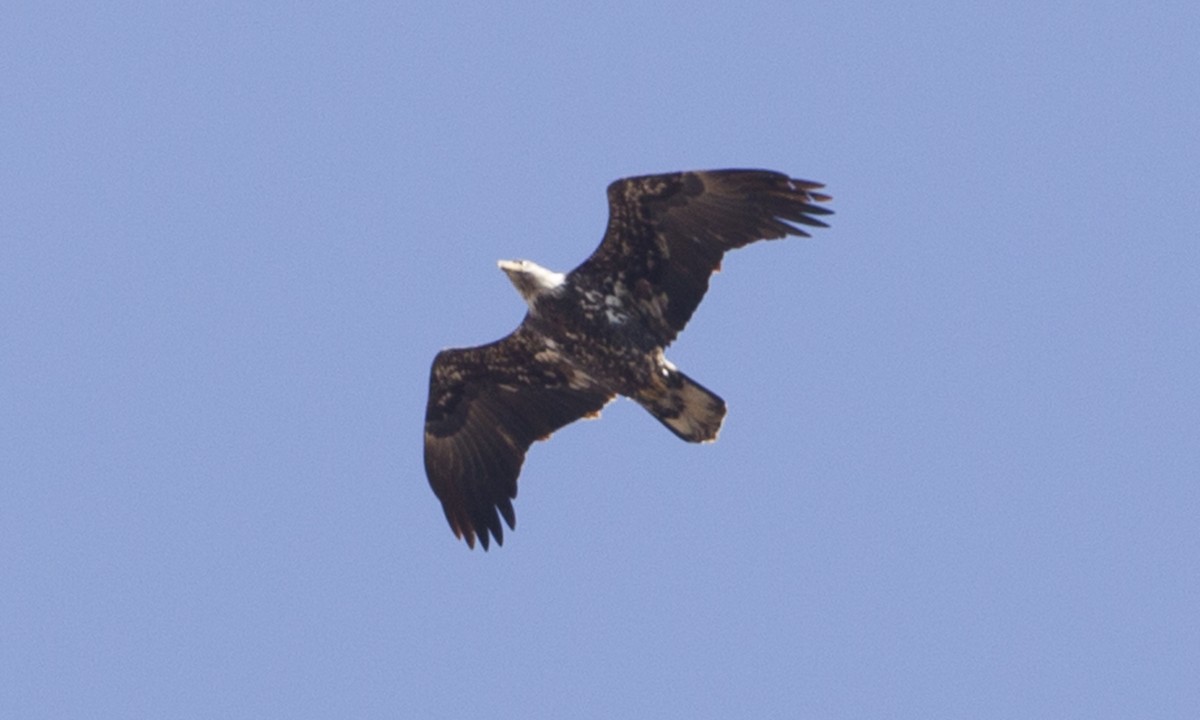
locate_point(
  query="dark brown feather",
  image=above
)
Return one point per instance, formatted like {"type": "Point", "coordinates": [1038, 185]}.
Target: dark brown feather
{"type": "Point", "coordinates": [668, 233]}
{"type": "Point", "coordinates": [486, 406]}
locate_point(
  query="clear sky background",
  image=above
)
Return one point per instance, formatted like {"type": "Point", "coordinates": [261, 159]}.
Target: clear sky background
{"type": "Point", "coordinates": [960, 476]}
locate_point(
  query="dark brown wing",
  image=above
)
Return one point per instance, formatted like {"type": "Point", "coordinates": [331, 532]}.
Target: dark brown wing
{"type": "Point", "coordinates": [487, 405]}
{"type": "Point", "coordinates": [667, 233]}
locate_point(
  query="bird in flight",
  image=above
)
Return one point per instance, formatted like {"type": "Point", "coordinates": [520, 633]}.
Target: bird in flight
{"type": "Point", "coordinates": [597, 332]}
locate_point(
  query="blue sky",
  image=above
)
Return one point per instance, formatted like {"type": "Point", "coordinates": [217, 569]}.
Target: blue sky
{"type": "Point", "coordinates": [959, 473]}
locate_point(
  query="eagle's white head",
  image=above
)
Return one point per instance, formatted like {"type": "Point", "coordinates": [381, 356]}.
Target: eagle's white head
{"type": "Point", "coordinates": [531, 280]}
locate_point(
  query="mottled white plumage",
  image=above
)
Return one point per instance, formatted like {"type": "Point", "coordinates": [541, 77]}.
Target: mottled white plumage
{"type": "Point", "coordinates": [597, 332]}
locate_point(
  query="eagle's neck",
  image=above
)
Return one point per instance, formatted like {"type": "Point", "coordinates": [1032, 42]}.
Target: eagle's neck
{"type": "Point", "coordinates": [532, 280]}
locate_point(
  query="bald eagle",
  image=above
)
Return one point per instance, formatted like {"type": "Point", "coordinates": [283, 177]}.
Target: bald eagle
{"type": "Point", "coordinates": [597, 332]}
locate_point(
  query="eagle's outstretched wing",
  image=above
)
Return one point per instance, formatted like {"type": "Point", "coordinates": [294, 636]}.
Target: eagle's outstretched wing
{"type": "Point", "coordinates": [667, 233]}
{"type": "Point", "coordinates": [487, 405]}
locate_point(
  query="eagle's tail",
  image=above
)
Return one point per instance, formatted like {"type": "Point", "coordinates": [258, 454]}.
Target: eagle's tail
{"type": "Point", "coordinates": [685, 407]}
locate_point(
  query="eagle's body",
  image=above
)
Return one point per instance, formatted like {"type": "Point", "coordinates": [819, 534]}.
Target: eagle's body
{"type": "Point", "coordinates": [597, 332]}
